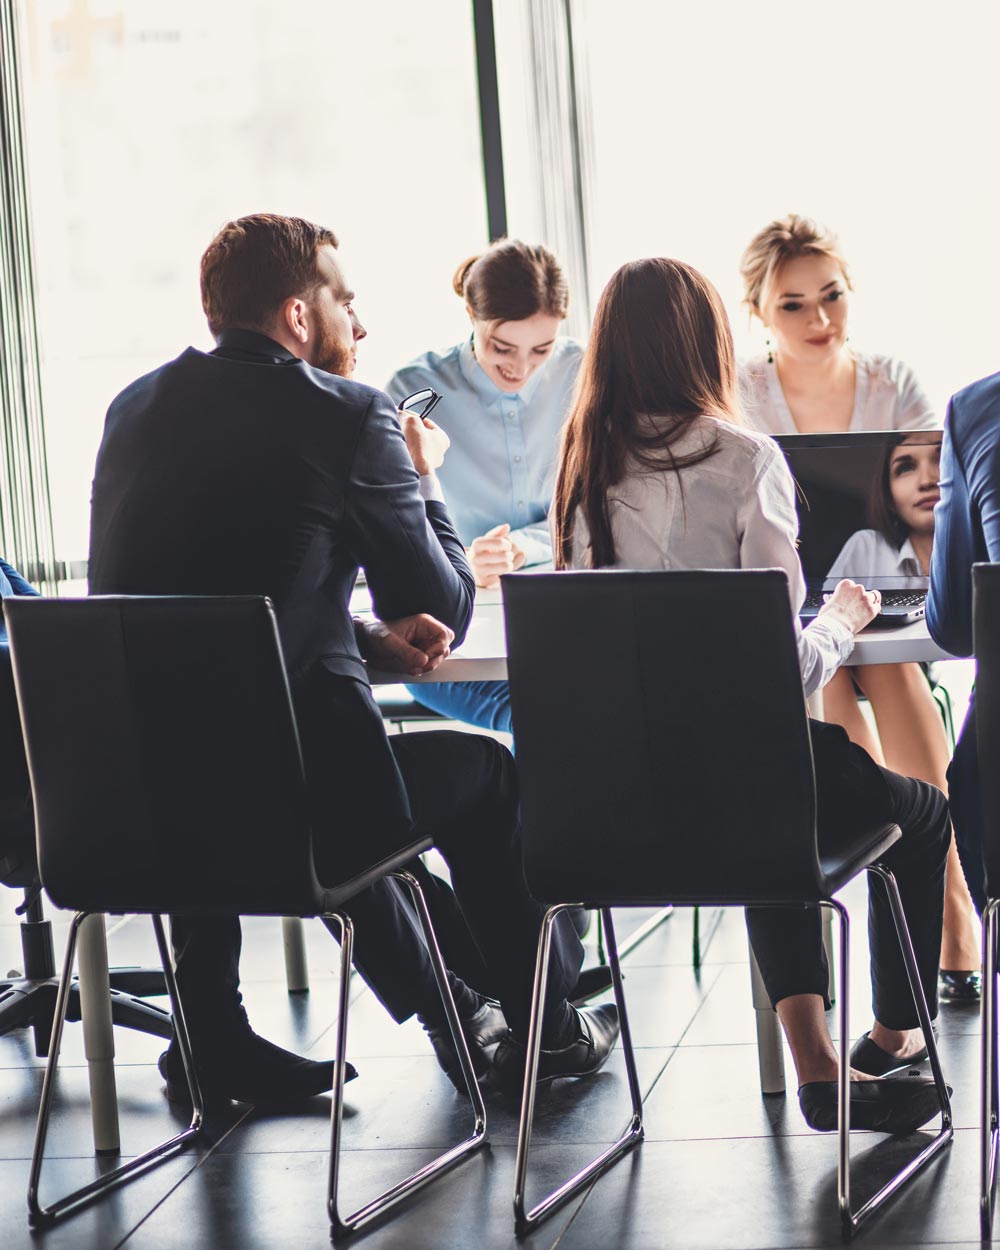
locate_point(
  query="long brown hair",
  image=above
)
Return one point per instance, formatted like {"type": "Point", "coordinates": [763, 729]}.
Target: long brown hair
{"type": "Point", "coordinates": [660, 346]}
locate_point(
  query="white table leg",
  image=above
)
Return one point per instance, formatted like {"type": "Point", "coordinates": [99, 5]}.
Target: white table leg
{"type": "Point", "coordinates": [296, 970]}
{"type": "Point", "coordinates": [98, 1034]}
{"type": "Point", "coordinates": [770, 1052]}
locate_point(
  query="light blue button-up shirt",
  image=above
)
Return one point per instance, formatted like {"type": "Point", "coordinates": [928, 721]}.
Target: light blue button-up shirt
{"type": "Point", "coordinates": [501, 464]}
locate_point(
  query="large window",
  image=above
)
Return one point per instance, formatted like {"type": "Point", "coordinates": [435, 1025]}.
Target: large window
{"type": "Point", "coordinates": [151, 122]}
{"type": "Point", "coordinates": [878, 118]}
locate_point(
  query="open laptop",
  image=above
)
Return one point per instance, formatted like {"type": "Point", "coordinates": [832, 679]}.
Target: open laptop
{"type": "Point", "coordinates": [866, 511]}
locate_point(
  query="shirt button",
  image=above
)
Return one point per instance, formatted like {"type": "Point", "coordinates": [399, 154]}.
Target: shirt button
{"type": "Point", "coordinates": [520, 503]}
{"type": "Point", "coordinates": [509, 415]}
{"type": "Point", "coordinates": [517, 459]}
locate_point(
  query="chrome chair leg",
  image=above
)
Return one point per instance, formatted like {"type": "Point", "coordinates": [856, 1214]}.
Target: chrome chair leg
{"type": "Point", "coordinates": [632, 1135]}
{"type": "Point", "coordinates": [852, 1220]}
{"type": "Point", "coordinates": [988, 1117]}
{"type": "Point", "coordinates": [341, 1226]}
{"type": "Point", "coordinates": [39, 1215]}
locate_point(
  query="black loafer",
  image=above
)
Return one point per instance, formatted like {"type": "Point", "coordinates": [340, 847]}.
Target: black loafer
{"type": "Point", "coordinates": [597, 1032]}
{"type": "Point", "coordinates": [899, 1106]}
{"type": "Point", "coordinates": [959, 987]}
{"type": "Point", "coordinates": [483, 1030]}
{"type": "Point", "coordinates": [867, 1056]}
{"type": "Point", "coordinates": [252, 1070]}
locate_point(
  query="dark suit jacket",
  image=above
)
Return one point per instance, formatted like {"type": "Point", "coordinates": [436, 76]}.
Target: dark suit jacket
{"type": "Point", "coordinates": [246, 471]}
{"type": "Point", "coordinates": [966, 530]}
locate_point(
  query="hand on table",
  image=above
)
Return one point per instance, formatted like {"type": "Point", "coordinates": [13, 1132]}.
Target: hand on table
{"type": "Point", "coordinates": [852, 605]}
{"type": "Point", "coordinates": [414, 645]}
{"type": "Point", "coordinates": [425, 441]}
{"type": "Point", "coordinates": [493, 554]}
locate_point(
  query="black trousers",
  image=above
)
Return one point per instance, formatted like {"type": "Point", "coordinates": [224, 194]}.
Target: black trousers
{"type": "Point", "coordinates": [854, 793]}
{"type": "Point", "coordinates": [459, 789]}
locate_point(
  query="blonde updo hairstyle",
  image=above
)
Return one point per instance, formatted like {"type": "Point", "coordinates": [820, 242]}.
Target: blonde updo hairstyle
{"type": "Point", "coordinates": [780, 241]}
{"type": "Point", "coordinates": [512, 281]}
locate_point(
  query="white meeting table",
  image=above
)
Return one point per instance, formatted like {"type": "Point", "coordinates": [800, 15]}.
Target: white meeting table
{"type": "Point", "coordinates": [483, 654]}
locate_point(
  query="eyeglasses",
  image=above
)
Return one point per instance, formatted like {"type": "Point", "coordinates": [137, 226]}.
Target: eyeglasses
{"type": "Point", "coordinates": [421, 403]}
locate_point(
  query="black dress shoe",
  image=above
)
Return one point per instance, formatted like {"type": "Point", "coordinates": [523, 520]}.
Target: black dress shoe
{"type": "Point", "coordinates": [483, 1029]}
{"type": "Point", "coordinates": [959, 987]}
{"type": "Point", "coordinates": [898, 1106]}
{"type": "Point", "coordinates": [867, 1056]}
{"type": "Point", "coordinates": [597, 1032]}
{"type": "Point", "coordinates": [252, 1070]}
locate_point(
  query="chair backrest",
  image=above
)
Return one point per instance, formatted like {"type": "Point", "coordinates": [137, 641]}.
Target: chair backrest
{"type": "Point", "coordinates": [661, 735]}
{"type": "Point", "coordinates": [986, 646]}
{"type": "Point", "coordinates": [163, 754]}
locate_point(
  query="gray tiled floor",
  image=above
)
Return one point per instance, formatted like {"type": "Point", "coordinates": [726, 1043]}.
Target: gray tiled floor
{"type": "Point", "coordinates": [721, 1166]}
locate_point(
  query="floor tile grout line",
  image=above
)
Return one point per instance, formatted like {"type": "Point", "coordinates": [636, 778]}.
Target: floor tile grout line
{"type": "Point", "coordinates": [187, 1175]}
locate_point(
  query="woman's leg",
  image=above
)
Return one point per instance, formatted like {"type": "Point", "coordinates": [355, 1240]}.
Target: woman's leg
{"type": "Point", "coordinates": [840, 707]}
{"type": "Point", "coordinates": [914, 744]}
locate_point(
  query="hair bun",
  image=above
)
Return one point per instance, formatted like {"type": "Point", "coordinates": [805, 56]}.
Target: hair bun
{"type": "Point", "coordinates": [462, 273]}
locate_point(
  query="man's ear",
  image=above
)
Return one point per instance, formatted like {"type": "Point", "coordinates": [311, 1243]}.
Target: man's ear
{"type": "Point", "coordinates": [294, 317]}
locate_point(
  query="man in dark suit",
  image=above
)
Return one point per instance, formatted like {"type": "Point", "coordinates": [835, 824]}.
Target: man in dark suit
{"type": "Point", "coordinates": [966, 530]}
{"type": "Point", "coordinates": [261, 468]}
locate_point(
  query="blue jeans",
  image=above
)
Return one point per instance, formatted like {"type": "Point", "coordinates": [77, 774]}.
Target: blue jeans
{"type": "Point", "coordinates": [485, 704]}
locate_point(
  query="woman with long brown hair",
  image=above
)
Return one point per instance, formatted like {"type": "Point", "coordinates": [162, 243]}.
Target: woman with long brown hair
{"type": "Point", "coordinates": [659, 471]}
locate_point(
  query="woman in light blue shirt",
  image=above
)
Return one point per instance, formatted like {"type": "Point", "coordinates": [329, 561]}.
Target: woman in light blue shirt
{"type": "Point", "coordinates": [505, 393]}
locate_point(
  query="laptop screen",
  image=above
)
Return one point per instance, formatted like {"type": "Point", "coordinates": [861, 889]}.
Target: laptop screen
{"type": "Point", "coordinates": [866, 505]}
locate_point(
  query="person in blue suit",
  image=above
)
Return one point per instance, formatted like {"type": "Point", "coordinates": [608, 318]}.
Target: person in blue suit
{"type": "Point", "coordinates": [966, 530]}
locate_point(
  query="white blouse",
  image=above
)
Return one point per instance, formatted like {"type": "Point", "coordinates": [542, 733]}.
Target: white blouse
{"type": "Point", "coordinates": [867, 553]}
{"type": "Point", "coordinates": [737, 512]}
{"type": "Point", "coordinates": [887, 396]}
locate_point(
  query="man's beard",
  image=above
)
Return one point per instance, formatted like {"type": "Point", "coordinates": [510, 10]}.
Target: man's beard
{"type": "Point", "coordinates": [331, 355]}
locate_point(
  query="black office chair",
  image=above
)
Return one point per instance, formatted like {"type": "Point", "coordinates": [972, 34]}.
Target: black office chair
{"type": "Point", "coordinates": [166, 776]}
{"type": "Point", "coordinates": [28, 999]}
{"type": "Point", "coordinates": [986, 645]}
{"type": "Point", "coordinates": [664, 753]}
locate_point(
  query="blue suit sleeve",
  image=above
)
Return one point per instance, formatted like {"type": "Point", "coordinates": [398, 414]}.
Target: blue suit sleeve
{"type": "Point", "coordinates": [413, 559]}
{"type": "Point", "coordinates": [18, 584]}
{"type": "Point", "coordinates": [949, 603]}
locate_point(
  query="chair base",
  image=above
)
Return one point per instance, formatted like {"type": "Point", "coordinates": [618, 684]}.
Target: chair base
{"type": "Point", "coordinates": [527, 1219]}
{"type": "Point", "coordinates": [377, 1208]}
{"type": "Point", "coordinates": [42, 1216]}
{"type": "Point", "coordinates": [851, 1219]}
{"type": "Point", "coordinates": [29, 1001]}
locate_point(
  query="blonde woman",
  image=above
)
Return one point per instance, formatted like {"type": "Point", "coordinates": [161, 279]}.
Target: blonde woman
{"type": "Point", "coordinates": [796, 281]}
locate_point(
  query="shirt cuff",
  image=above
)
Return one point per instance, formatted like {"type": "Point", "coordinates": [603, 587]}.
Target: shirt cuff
{"type": "Point", "coordinates": [841, 636]}
{"type": "Point", "coordinates": [430, 489]}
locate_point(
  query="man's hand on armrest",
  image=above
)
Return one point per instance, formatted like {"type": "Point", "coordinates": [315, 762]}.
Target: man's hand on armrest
{"type": "Point", "coordinates": [413, 645]}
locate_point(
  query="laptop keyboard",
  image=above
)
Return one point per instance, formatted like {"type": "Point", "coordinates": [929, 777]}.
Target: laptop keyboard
{"type": "Point", "coordinates": [890, 599]}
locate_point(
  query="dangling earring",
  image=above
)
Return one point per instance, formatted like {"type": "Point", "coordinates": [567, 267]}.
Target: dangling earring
{"type": "Point", "coordinates": [770, 354]}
